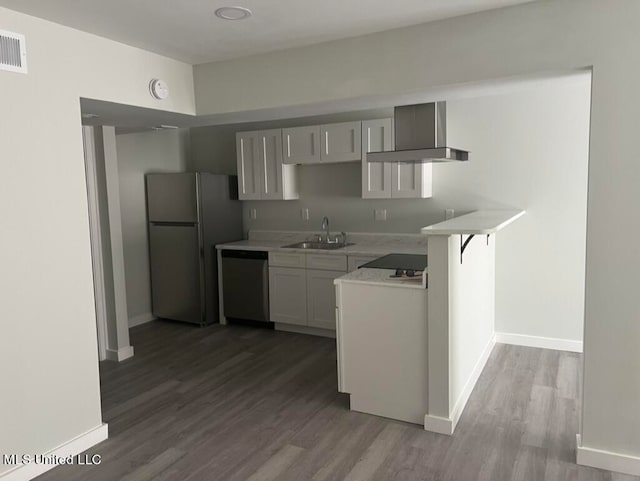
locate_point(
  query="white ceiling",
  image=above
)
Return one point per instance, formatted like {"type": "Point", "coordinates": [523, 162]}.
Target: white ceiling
{"type": "Point", "coordinates": [187, 29]}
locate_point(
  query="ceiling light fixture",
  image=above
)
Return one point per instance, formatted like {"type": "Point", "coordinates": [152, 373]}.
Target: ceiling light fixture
{"type": "Point", "coordinates": [164, 127]}
{"type": "Point", "coordinates": [90, 116]}
{"type": "Point", "coordinates": [233, 13]}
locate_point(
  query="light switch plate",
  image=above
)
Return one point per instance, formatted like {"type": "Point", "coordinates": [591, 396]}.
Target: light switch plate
{"type": "Point", "coordinates": [380, 214]}
{"type": "Point", "coordinates": [253, 214]}
{"type": "Point", "coordinates": [449, 214]}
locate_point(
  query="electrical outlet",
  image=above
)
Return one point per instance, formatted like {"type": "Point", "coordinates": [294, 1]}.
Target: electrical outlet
{"type": "Point", "coordinates": [304, 213]}
{"type": "Point", "coordinates": [253, 214]}
{"type": "Point", "coordinates": [380, 214]}
{"type": "Point", "coordinates": [449, 214]}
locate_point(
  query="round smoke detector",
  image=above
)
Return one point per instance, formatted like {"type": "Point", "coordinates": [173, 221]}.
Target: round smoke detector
{"type": "Point", "coordinates": [158, 89]}
{"type": "Point", "coordinates": [233, 13]}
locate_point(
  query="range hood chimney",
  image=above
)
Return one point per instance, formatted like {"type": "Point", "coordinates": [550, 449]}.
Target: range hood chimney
{"type": "Point", "coordinates": [421, 136]}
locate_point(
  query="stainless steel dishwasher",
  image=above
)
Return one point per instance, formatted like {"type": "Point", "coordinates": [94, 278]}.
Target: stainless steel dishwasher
{"type": "Point", "coordinates": [245, 285]}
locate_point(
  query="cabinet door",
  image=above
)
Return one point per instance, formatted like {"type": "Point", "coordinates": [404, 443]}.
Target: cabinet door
{"type": "Point", "coordinates": [248, 166]}
{"type": "Point", "coordinates": [377, 136]}
{"type": "Point", "coordinates": [341, 142]}
{"type": "Point", "coordinates": [340, 342]}
{"type": "Point", "coordinates": [301, 145]}
{"type": "Point", "coordinates": [406, 180]}
{"type": "Point", "coordinates": [411, 180]}
{"type": "Point", "coordinates": [321, 298]}
{"type": "Point", "coordinates": [287, 295]}
{"type": "Point", "coordinates": [270, 163]}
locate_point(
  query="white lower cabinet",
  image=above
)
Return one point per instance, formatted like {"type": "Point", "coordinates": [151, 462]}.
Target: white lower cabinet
{"type": "Point", "coordinates": [385, 368]}
{"type": "Point", "coordinates": [288, 295]}
{"type": "Point", "coordinates": [321, 298]}
{"type": "Point", "coordinates": [304, 296]}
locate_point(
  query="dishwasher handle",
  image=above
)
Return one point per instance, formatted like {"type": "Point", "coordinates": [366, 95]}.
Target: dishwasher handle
{"type": "Point", "coordinates": [236, 254]}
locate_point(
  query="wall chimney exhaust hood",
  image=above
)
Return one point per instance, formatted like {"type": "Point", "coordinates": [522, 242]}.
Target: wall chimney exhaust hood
{"type": "Point", "coordinates": [421, 136]}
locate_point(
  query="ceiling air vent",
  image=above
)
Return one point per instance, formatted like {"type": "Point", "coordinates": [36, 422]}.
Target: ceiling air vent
{"type": "Point", "coordinates": [13, 53]}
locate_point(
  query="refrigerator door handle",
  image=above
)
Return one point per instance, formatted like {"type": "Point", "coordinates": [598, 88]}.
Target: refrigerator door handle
{"type": "Point", "coordinates": [174, 224]}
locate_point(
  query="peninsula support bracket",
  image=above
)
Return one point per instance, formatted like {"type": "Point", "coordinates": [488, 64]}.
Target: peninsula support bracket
{"type": "Point", "coordinates": [466, 243]}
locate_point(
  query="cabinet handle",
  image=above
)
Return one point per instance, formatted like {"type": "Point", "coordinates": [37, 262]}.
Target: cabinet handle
{"type": "Point", "coordinates": [242, 174]}
{"type": "Point", "coordinates": [326, 142]}
{"type": "Point", "coordinates": [264, 161]}
{"type": "Point", "coordinates": [288, 145]}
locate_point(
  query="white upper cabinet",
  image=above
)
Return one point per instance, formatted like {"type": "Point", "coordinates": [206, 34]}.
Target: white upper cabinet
{"type": "Point", "coordinates": [390, 180]}
{"type": "Point", "coordinates": [270, 157]}
{"type": "Point", "coordinates": [261, 173]}
{"type": "Point", "coordinates": [411, 181]}
{"type": "Point", "coordinates": [319, 144]}
{"type": "Point", "coordinates": [301, 145]}
{"type": "Point", "coordinates": [377, 136]}
{"type": "Point", "coordinates": [341, 142]}
{"type": "Point", "coordinates": [248, 166]}
{"type": "Point", "coordinates": [267, 160]}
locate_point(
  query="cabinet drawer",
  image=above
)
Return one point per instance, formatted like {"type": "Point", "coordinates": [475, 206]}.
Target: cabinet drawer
{"type": "Point", "coordinates": [327, 262]}
{"type": "Point", "coordinates": [354, 262]}
{"type": "Point", "coordinates": [286, 259]}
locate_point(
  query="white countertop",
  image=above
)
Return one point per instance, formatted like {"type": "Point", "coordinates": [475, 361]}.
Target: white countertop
{"type": "Point", "coordinates": [251, 245]}
{"type": "Point", "coordinates": [358, 249]}
{"type": "Point", "coordinates": [378, 277]}
{"type": "Point", "coordinates": [478, 222]}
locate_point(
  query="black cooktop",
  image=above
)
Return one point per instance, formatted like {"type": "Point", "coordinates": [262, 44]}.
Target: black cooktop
{"type": "Point", "coordinates": [417, 262]}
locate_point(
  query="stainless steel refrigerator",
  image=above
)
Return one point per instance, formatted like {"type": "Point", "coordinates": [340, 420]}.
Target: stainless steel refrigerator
{"type": "Point", "coordinates": [188, 215]}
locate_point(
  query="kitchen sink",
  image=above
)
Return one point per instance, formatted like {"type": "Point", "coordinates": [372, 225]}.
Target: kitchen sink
{"type": "Point", "coordinates": [326, 246]}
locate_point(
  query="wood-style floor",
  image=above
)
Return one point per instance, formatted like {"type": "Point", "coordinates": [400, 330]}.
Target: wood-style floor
{"type": "Point", "coordinates": [239, 403]}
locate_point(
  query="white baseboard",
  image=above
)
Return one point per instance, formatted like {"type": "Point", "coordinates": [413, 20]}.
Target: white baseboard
{"type": "Point", "coordinates": [141, 319]}
{"type": "Point", "coordinates": [119, 355]}
{"type": "Point", "coordinates": [461, 403]}
{"type": "Point", "coordinates": [25, 472]}
{"type": "Point", "coordinates": [442, 425]}
{"type": "Point", "coordinates": [314, 331]}
{"type": "Point", "coordinates": [596, 458]}
{"type": "Point", "coordinates": [537, 341]}
{"type": "Point", "coordinates": [437, 424]}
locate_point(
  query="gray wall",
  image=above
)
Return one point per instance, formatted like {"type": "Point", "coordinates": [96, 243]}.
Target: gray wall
{"type": "Point", "coordinates": [48, 350]}
{"type": "Point", "coordinates": [529, 151]}
{"type": "Point", "coordinates": [139, 154]}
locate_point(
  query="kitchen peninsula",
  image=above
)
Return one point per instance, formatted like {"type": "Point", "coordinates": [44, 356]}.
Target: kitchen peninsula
{"type": "Point", "coordinates": [413, 350]}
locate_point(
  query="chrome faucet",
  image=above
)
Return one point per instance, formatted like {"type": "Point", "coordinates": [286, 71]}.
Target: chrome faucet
{"type": "Point", "coordinates": [325, 227]}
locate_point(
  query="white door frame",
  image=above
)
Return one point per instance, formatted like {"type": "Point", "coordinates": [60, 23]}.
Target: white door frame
{"type": "Point", "coordinates": [96, 239]}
